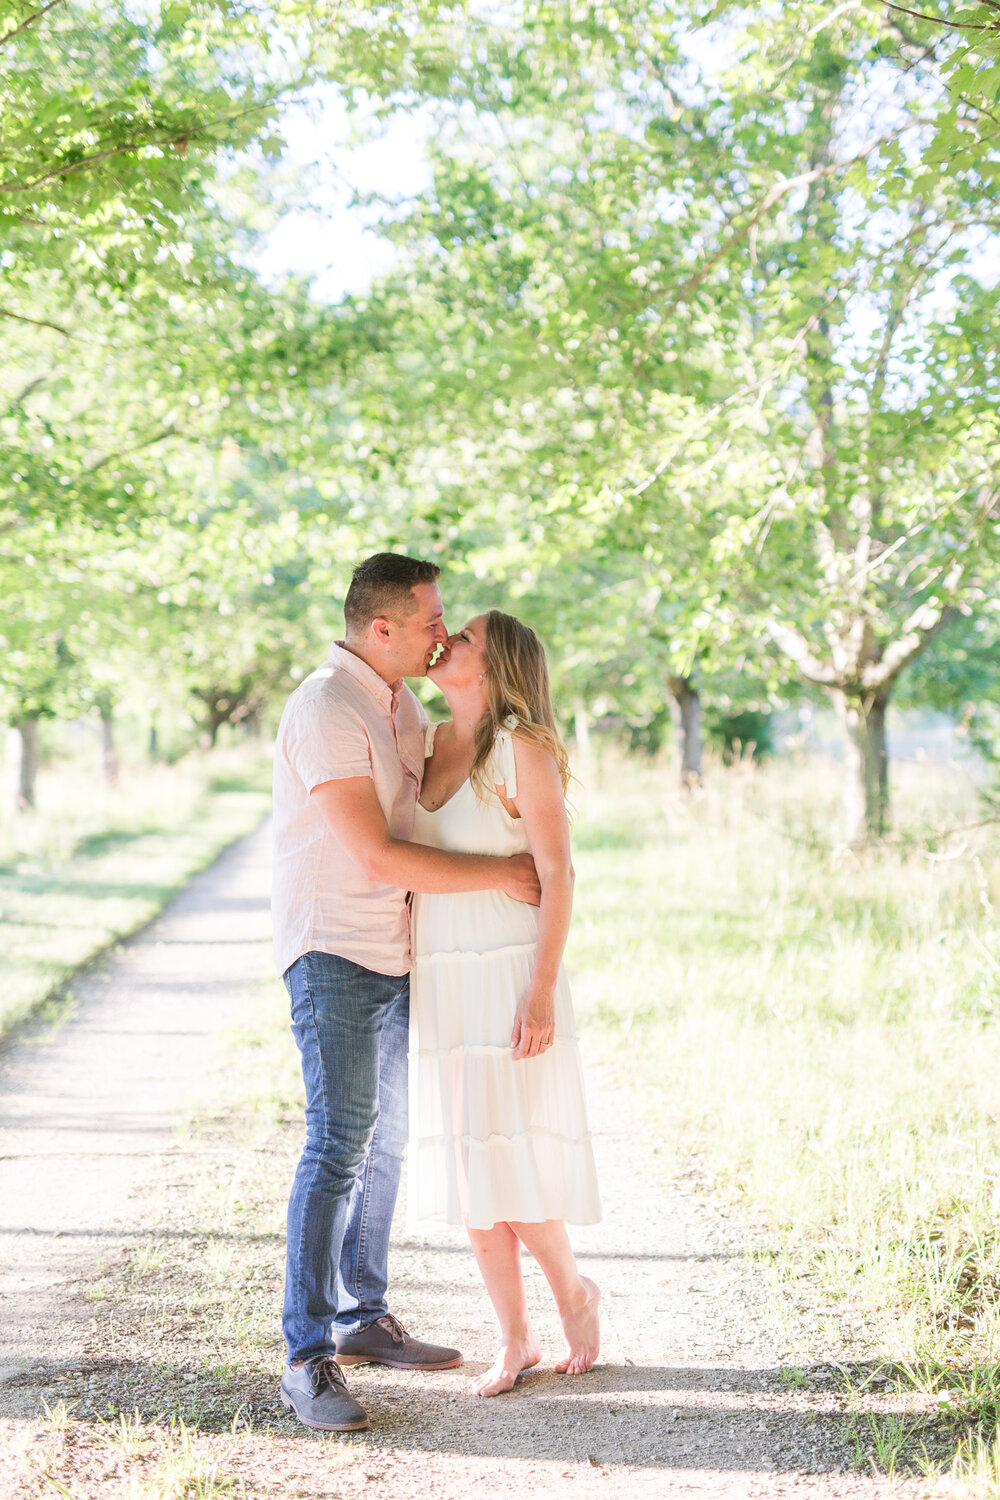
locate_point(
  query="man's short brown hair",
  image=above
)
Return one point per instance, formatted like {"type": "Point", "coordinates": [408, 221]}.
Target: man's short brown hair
{"type": "Point", "coordinates": [383, 586]}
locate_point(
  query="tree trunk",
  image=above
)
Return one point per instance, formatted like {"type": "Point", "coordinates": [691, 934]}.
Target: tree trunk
{"type": "Point", "coordinates": [687, 718]}
{"type": "Point", "coordinates": [866, 783]}
{"type": "Point", "coordinates": [222, 706]}
{"type": "Point", "coordinates": [109, 752]}
{"type": "Point", "coordinates": [28, 771]}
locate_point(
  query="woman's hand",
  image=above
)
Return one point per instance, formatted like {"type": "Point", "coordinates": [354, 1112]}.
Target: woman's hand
{"type": "Point", "coordinates": [534, 1024]}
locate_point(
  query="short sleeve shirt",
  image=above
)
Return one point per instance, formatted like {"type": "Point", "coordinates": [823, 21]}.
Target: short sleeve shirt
{"type": "Point", "coordinates": [342, 721]}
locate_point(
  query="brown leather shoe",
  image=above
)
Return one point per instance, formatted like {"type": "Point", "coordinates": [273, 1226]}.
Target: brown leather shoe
{"type": "Point", "coordinates": [386, 1342]}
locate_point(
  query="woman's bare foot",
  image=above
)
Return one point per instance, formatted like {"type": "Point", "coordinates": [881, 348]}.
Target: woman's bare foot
{"type": "Point", "coordinates": [510, 1361]}
{"type": "Point", "coordinates": [582, 1331]}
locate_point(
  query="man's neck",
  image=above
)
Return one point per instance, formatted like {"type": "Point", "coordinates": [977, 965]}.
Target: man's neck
{"type": "Point", "coordinates": [388, 675]}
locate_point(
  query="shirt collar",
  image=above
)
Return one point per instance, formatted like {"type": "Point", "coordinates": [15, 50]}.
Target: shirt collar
{"type": "Point", "coordinates": [348, 661]}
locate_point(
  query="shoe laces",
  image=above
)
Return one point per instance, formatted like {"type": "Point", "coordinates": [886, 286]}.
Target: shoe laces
{"type": "Point", "coordinates": [326, 1371]}
{"type": "Point", "coordinates": [394, 1326]}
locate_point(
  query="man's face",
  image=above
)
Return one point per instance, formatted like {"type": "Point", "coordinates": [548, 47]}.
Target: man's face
{"type": "Point", "coordinates": [421, 632]}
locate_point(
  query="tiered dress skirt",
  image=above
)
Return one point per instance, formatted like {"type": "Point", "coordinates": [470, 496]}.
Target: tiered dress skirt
{"type": "Point", "coordinates": [492, 1139]}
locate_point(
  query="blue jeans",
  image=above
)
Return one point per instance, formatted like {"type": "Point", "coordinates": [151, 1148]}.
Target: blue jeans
{"type": "Point", "coordinates": [352, 1029]}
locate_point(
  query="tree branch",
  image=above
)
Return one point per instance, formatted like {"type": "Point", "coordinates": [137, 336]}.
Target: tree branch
{"type": "Point", "coordinates": [902, 651]}
{"type": "Point", "coordinates": [12, 185]}
{"type": "Point", "coordinates": [797, 649]}
{"type": "Point", "coordinates": [925, 51]}
{"type": "Point", "coordinates": [978, 104]}
{"type": "Point", "coordinates": [899, 302]}
{"type": "Point", "coordinates": [9, 36]}
{"type": "Point", "coordinates": [824, 21]}
{"type": "Point", "coordinates": [773, 195]}
{"type": "Point", "coordinates": [147, 442]}
{"type": "Point", "coordinates": [35, 322]}
{"type": "Point", "coordinates": [895, 318]}
{"type": "Point", "coordinates": [942, 20]}
{"type": "Point", "coordinates": [919, 630]}
{"type": "Point", "coordinates": [750, 389]}
{"type": "Point", "coordinates": [23, 394]}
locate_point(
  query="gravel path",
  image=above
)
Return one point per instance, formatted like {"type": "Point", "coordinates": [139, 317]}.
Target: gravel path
{"type": "Point", "coordinates": [688, 1396]}
{"type": "Point", "coordinates": [89, 1108]}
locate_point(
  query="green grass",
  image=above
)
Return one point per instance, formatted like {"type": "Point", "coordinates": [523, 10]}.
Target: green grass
{"type": "Point", "coordinates": [816, 1034]}
{"type": "Point", "coordinates": [94, 863]}
{"type": "Point", "coordinates": [814, 1037]}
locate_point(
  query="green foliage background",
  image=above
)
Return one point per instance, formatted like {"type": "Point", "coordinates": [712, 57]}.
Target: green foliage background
{"type": "Point", "coordinates": [689, 354]}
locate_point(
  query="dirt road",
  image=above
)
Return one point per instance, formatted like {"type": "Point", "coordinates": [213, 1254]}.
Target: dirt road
{"type": "Point", "coordinates": [691, 1394]}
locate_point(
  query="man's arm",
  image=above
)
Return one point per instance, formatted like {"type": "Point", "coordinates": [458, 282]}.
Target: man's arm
{"type": "Point", "coordinates": [355, 814]}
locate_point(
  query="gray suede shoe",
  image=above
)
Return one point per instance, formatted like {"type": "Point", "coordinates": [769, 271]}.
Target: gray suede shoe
{"type": "Point", "coordinates": [386, 1342]}
{"type": "Point", "coordinates": [317, 1393]}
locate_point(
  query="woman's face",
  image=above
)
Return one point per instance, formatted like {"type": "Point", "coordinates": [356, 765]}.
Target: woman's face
{"type": "Point", "coordinates": [463, 657]}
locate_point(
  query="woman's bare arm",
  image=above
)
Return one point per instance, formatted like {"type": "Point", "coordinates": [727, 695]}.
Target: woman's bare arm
{"type": "Point", "coordinates": [540, 803]}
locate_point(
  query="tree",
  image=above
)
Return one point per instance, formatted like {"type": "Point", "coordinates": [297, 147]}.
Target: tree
{"type": "Point", "coordinates": [138, 341]}
{"type": "Point", "coordinates": [689, 361]}
{"type": "Point", "coordinates": [890, 517]}
{"type": "Point", "coordinates": [40, 679]}
{"type": "Point", "coordinates": [964, 51]}
{"type": "Point", "coordinates": [504, 385]}
{"type": "Point", "coordinates": [732, 323]}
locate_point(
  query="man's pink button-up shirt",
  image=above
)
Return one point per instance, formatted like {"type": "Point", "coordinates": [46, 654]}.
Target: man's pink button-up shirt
{"type": "Point", "coordinates": [343, 720]}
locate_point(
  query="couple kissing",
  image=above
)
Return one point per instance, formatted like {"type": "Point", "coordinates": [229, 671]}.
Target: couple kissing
{"type": "Point", "coordinates": [422, 895]}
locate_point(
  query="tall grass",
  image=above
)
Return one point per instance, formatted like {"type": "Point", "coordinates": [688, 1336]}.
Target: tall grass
{"type": "Point", "coordinates": [816, 1031]}
{"type": "Point", "coordinates": [92, 863]}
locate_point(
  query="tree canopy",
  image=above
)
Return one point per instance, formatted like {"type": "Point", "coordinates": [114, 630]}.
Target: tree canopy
{"type": "Point", "coordinates": [689, 353]}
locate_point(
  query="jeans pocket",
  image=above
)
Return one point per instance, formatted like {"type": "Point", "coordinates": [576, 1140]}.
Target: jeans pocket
{"type": "Point", "coordinates": [302, 1011]}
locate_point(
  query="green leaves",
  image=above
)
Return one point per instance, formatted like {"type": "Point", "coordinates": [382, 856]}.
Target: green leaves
{"type": "Point", "coordinates": [687, 344]}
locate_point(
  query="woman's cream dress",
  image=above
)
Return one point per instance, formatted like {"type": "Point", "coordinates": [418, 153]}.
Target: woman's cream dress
{"type": "Point", "coordinates": [491, 1139]}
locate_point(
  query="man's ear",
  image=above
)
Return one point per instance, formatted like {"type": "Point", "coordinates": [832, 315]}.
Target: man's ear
{"type": "Point", "coordinates": [381, 629]}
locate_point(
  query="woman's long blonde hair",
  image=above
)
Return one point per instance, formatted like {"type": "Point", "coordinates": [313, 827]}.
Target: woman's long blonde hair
{"type": "Point", "coordinates": [517, 686]}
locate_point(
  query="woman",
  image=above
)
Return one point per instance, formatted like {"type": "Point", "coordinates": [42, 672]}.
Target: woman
{"type": "Point", "coordinates": [499, 1136]}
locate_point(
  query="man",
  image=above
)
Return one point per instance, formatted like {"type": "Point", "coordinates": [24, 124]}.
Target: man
{"type": "Point", "coordinates": [348, 766]}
